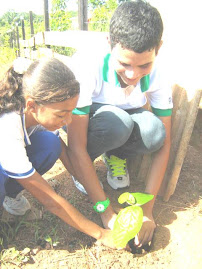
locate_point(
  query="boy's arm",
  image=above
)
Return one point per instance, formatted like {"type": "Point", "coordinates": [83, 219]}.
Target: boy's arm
{"type": "Point", "coordinates": [82, 163]}
{"type": "Point", "coordinates": [154, 181]}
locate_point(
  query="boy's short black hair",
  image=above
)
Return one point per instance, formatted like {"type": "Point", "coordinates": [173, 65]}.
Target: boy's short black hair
{"type": "Point", "coordinates": [136, 26]}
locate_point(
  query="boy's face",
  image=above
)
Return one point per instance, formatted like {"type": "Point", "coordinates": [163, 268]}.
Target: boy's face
{"type": "Point", "coordinates": [132, 66]}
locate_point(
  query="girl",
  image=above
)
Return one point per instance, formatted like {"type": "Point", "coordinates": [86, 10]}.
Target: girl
{"type": "Point", "coordinates": [32, 106]}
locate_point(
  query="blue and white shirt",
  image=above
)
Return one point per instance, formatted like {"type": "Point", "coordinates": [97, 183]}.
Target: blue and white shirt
{"type": "Point", "coordinates": [13, 140]}
{"type": "Point", "coordinates": [14, 137]}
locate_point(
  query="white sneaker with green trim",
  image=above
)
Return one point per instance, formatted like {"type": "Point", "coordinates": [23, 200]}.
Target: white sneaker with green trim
{"type": "Point", "coordinates": [16, 206]}
{"type": "Point", "coordinates": [117, 175]}
{"type": "Point", "coordinates": [80, 187]}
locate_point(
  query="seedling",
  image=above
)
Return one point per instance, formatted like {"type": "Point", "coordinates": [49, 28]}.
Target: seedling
{"type": "Point", "coordinates": [129, 220]}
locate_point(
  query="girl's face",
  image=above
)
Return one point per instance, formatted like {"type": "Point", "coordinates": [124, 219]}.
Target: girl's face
{"type": "Point", "coordinates": [51, 116]}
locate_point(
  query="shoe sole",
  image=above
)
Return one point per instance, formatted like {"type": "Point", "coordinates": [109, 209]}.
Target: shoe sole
{"type": "Point", "coordinates": [115, 187]}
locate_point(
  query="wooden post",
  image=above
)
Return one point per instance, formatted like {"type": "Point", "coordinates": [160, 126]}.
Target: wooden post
{"type": "Point", "coordinates": [83, 14]}
{"type": "Point", "coordinates": [46, 16]}
{"type": "Point", "coordinates": [23, 28]}
{"type": "Point", "coordinates": [31, 23]}
{"type": "Point", "coordinates": [11, 39]}
{"type": "Point", "coordinates": [18, 42]}
{"type": "Point", "coordinates": [14, 39]}
{"type": "Point", "coordinates": [192, 109]}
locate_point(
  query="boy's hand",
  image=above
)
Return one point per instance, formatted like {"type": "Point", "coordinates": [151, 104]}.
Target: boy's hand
{"type": "Point", "coordinates": [108, 219]}
{"type": "Point", "coordinates": [146, 233]}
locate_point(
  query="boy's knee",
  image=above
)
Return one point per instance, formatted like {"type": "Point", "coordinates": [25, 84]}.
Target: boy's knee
{"type": "Point", "coordinates": [116, 124]}
{"type": "Point", "coordinates": [155, 135]}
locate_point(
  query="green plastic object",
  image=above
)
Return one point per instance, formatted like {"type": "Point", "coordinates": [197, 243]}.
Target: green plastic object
{"type": "Point", "coordinates": [129, 220]}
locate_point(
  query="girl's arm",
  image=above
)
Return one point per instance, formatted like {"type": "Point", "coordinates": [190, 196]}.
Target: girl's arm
{"type": "Point", "coordinates": [57, 205]}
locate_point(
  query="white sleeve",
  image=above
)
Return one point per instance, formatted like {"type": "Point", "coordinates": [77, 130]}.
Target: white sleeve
{"type": "Point", "coordinates": [160, 91]}
{"type": "Point", "coordinates": [13, 156]}
{"type": "Point", "coordinates": [84, 70]}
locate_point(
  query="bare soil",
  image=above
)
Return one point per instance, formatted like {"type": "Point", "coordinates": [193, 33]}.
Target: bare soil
{"type": "Point", "coordinates": [176, 243]}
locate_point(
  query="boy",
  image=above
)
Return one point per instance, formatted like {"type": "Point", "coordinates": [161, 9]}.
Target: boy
{"type": "Point", "coordinates": [110, 119]}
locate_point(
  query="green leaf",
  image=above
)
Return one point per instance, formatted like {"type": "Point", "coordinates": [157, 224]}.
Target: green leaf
{"type": "Point", "coordinates": [127, 197]}
{"type": "Point", "coordinates": [127, 224]}
{"type": "Point", "coordinates": [142, 198]}
{"type": "Point", "coordinates": [135, 198]}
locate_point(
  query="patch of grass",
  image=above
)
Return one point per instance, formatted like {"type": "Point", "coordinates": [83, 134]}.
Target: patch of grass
{"type": "Point", "coordinates": [9, 231]}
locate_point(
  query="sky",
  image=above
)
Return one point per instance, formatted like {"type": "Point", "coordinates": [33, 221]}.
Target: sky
{"type": "Point", "coordinates": [28, 5]}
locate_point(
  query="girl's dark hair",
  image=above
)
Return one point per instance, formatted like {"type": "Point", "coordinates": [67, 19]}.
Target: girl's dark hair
{"type": "Point", "coordinates": [136, 26]}
{"type": "Point", "coordinates": [45, 81]}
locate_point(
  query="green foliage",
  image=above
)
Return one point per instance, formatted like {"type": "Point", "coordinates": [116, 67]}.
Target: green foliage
{"type": "Point", "coordinates": [10, 20]}
{"type": "Point", "coordinates": [96, 3]}
{"type": "Point", "coordinates": [7, 55]}
{"type": "Point", "coordinates": [58, 5]}
{"type": "Point", "coordinates": [60, 20]}
{"type": "Point", "coordinates": [60, 17]}
{"type": "Point", "coordinates": [101, 16]}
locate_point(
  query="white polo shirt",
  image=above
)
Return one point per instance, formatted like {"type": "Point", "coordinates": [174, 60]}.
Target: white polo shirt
{"type": "Point", "coordinates": [99, 83]}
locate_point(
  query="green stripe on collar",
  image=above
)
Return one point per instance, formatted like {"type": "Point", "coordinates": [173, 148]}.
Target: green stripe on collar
{"type": "Point", "coordinates": [81, 110]}
{"type": "Point", "coordinates": [144, 83]}
{"type": "Point", "coordinates": [105, 69]}
{"type": "Point", "coordinates": [162, 112]}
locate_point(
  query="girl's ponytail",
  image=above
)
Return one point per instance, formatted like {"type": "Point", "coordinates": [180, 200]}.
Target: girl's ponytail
{"type": "Point", "coordinates": [11, 98]}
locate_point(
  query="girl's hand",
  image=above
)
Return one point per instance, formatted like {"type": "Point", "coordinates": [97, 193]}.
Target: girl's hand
{"type": "Point", "coordinates": [108, 241]}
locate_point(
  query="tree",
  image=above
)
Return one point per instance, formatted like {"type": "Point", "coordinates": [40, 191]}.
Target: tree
{"type": "Point", "coordinates": [96, 3]}
{"type": "Point", "coordinates": [60, 18]}
{"type": "Point", "coordinates": [101, 15]}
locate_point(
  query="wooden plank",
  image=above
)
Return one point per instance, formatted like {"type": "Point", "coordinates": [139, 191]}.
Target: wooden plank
{"type": "Point", "coordinates": [144, 168]}
{"type": "Point", "coordinates": [75, 39]}
{"type": "Point", "coordinates": [45, 52]}
{"type": "Point", "coordinates": [133, 165]}
{"type": "Point", "coordinates": [188, 128]}
{"type": "Point", "coordinates": [178, 120]}
{"type": "Point", "coordinates": [39, 38]}
{"type": "Point", "coordinates": [31, 42]}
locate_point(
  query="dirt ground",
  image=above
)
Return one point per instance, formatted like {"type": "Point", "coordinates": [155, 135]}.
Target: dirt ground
{"type": "Point", "coordinates": [49, 243]}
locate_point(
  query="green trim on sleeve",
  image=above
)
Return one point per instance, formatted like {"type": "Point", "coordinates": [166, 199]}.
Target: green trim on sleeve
{"type": "Point", "coordinates": [81, 110]}
{"type": "Point", "coordinates": [162, 112]}
{"type": "Point", "coordinates": [144, 83]}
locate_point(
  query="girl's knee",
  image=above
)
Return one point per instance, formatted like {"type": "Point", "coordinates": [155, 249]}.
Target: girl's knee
{"type": "Point", "coordinates": [44, 151]}
{"type": "Point", "coordinates": [54, 145]}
